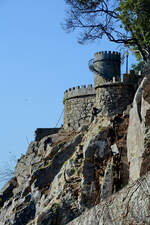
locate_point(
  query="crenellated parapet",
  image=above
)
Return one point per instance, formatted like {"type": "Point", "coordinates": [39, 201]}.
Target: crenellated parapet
{"type": "Point", "coordinates": [111, 92]}
{"type": "Point", "coordinates": [107, 55]}
{"type": "Point", "coordinates": [79, 92]}
{"type": "Point", "coordinates": [78, 104]}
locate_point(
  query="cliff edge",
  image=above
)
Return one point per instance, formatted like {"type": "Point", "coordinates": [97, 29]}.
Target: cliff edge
{"type": "Point", "coordinates": [96, 174]}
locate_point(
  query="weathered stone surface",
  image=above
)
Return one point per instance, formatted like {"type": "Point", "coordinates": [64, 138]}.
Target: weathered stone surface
{"type": "Point", "coordinates": [7, 191]}
{"type": "Point", "coordinates": [33, 147]}
{"type": "Point", "coordinates": [138, 132]}
{"type": "Point", "coordinates": [114, 98]}
{"type": "Point", "coordinates": [129, 206]}
{"type": "Point", "coordinates": [64, 174]}
{"type": "Point", "coordinates": [25, 166]}
{"type": "Point", "coordinates": [45, 175]}
{"type": "Point", "coordinates": [77, 111]}
{"type": "Point", "coordinates": [25, 215]}
{"type": "Point", "coordinates": [107, 185]}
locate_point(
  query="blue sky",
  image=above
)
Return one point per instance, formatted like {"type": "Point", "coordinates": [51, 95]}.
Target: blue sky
{"type": "Point", "coordinates": [38, 62]}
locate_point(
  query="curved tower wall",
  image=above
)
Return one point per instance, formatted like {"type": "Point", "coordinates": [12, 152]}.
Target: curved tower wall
{"type": "Point", "coordinates": [112, 95]}
{"type": "Point", "coordinates": [114, 98]}
{"type": "Point", "coordinates": [78, 104]}
{"type": "Point", "coordinates": [106, 66]}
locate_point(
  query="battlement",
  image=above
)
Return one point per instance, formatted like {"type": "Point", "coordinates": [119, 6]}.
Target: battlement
{"type": "Point", "coordinates": [111, 92]}
{"type": "Point", "coordinates": [79, 91]}
{"type": "Point", "coordinates": [107, 55]}
{"type": "Point", "coordinates": [105, 65]}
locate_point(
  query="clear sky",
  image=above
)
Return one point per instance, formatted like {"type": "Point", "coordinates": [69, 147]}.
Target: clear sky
{"type": "Point", "coordinates": [38, 62]}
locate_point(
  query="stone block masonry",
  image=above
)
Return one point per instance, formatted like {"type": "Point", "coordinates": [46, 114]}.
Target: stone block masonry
{"type": "Point", "coordinates": [113, 98]}
{"type": "Point", "coordinates": [105, 66]}
{"type": "Point", "coordinates": [109, 94]}
{"type": "Point", "coordinates": [78, 104]}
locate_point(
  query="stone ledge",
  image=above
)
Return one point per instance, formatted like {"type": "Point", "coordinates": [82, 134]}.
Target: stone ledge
{"type": "Point", "coordinates": [116, 84]}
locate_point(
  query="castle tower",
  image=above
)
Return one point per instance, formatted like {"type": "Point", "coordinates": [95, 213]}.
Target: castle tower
{"type": "Point", "coordinates": [112, 95]}
{"type": "Point", "coordinates": [109, 94]}
{"type": "Point", "coordinates": [105, 66]}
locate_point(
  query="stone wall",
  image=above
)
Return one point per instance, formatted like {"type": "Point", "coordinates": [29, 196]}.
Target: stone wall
{"type": "Point", "coordinates": [43, 132]}
{"type": "Point", "coordinates": [113, 98]}
{"type": "Point", "coordinates": [78, 103]}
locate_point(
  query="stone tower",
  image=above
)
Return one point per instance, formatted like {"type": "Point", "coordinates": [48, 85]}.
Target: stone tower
{"type": "Point", "coordinates": [112, 95]}
{"type": "Point", "coordinates": [106, 67]}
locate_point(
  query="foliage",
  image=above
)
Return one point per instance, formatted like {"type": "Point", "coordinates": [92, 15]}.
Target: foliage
{"type": "Point", "coordinates": [138, 67]}
{"type": "Point", "coordinates": [121, 21]}
{"type": "Point", "coordinates": [96, 18]}
{"type": "Point", "coordinates": [135, 16]}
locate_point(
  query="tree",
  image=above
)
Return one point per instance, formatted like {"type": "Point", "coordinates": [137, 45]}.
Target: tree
{"type": "Point", "coordinates": [96, 18]}
{"type": "Point", "coordinates": [135, 16]}
{"type": "Point", "coordinates": [138, 67]}
{"type": "Point", "coordinates": [119, 20]}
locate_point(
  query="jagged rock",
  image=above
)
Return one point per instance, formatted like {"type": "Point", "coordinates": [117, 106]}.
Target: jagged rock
{"type": "Point", "coordinates": [129, 206]}
{"type": "Point", "coordinates": [65, 174]}
{"type": "Point", "coordinates": [45, 175]}
{"type": "Point", "coordinates": [83, 128]}
{"type": "Point", "coordinates": [33, 147]}
{"type": "Point", "coordinates": [25, 166]}
{"type": "Point", "coordinates": [24, 215]}
{"type": "Point", "coordinates": [107, 185]}
{"type": "Point", "coordinates": [138, 139]}
{"type": "Point", "coordinates": [69, 174]}
{"type": "Point", "coordinates": [7, 191]}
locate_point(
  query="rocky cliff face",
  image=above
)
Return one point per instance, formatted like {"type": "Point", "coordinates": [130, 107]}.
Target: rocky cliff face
{"type": "Point", "coordinates": [138, 139]}
{"type": "Point", "coordinates": [84, 174]}
{"type": "Point", "coordinates": [130, 206]}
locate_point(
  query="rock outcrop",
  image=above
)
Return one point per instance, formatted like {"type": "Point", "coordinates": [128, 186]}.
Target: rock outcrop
{"type": "Point", "coordinates": [138, 139]}
{"type": "Point", "coordinates": [65, 174]}
{"type": "Point", "coordinates": [129, 206]}
{"type": "Point", "coordinates": [81, 177]}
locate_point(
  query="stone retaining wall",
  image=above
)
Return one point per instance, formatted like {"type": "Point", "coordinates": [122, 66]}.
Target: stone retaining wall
{"type": "Point", "coordinates": [43, 132]}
